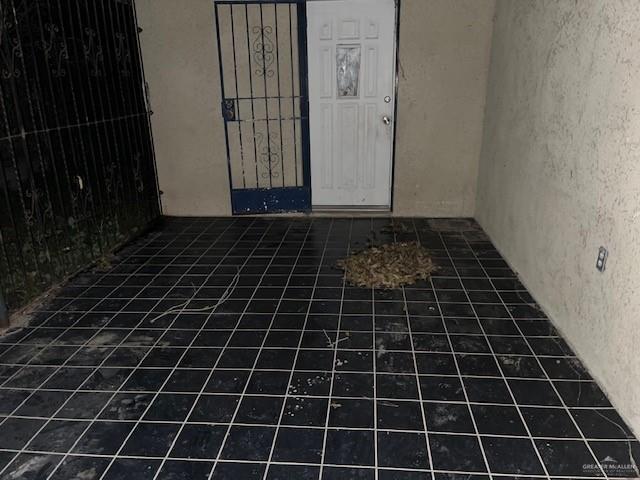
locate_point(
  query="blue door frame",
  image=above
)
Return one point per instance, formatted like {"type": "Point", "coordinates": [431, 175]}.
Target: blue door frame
{"type": "Point", "coordinates": [269, 191]}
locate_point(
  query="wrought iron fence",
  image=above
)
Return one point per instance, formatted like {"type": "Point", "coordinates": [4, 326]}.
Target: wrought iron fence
{"type": "Point", "coordinates": [77, 173]}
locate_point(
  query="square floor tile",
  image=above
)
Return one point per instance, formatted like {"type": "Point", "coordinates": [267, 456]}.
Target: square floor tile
{"type": "Point", "coordinates": [76, 467]}
{"type": "Point", "coordinates": [248, 443]}
{"type": "Point", "coordinates": [404, 475]}
{"type": "Point", "coordinates": [498, 420]}
{"type": "Point", "coordinates": [397, 386]}
{"type": "Point", "coordinates": [534, 392]}
{"type": "Point", "coordinates": [12, 399]}
{"type": "Point", "coordinates": [601, 423]}
{"type": "Point", "coordinates": [342, 473]}
{"type": "Point", "coordinates": [268, 383]}
{"type": "Point", "coordinates": [275, 359]}
{"type": "Point", "coordinates": [304, 411]}
{"type": "Point", "coordinates": [126, 406]}
{"type": "Point", "coordinates": [436, 363]}
{"type": "Point", "coordinates": [199, 441]}
{"type": "Point", "coordinates": [235, 471]}
{"type": "Point", "coordinates": [23, 465]}
{"type": "Point", "coordinates": [314, 359]}
{"type": "Point", "coordinates": [170, 407]}
{"type": "Point", "coordinates": [395, 362]}
{"type": "Point", "coordinates": [288, 472]}
{"type": "Point", "coordinates": [227, 381]}
{"type": "Point", "coordinates": [477, 365]}
{"type": "Point", "coordinates": [399, 415]}
{"type": "Point", "coordinates": [567, 458]}
{"type": "Point", "coordinates": [448, 417]}
{"type": "Point", "coordinates": [260, 409]}
{"type": "Point", "coordinates": [403, 450]}
{"type": "Point", "coordinates": [617, 458]}
{"type": "Point", "coordinates": [145, 380]}
{"type": "Point", "coordinates": [310, 383]}
{"type": "Point", "coordinates": [214, 408]}
{"type": "Point", "coordinates": [512, 455]}
{"type": "Point", "coordinates": [42, 404]}
{"type": "Point", "coordinates": [441, 388]}
{"type": "Point", "coordinates": [150, 440]}
{"type": "Point", "coordinates": [549, 422]}
{"type": "Point", "coordinates": [127, 468]}
{"type": "Point", "coordinates": [298, 445]}
{"type": "Point", "coordinates": [354, 361]}
{"type": "Point", "coordinates": [103, 438]}
{"type": "Point", "coordinates": [349, 447]}
{"type": "Point", "coordinates": [456, 453]}
{"type": "Point", "coordinates": [520, 366]}
{"type": "Point", "coordinates": [15, 433]}
{"type": "Point", "coordinates": [354, 413]}
{"type": "Point", "coordinates": [353, 385]}
{"type": "Point", "coordinates": [581, 394]}
{"type": "Point", "coordinates": [57, 436]}
{"type": "Point", "coordinates": [487, 390]}
{"type": "Point", "coordinates": [184, 470]}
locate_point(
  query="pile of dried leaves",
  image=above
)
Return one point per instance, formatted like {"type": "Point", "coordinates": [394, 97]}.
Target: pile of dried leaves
{"type": "Point", "coordinates": [388, 266]}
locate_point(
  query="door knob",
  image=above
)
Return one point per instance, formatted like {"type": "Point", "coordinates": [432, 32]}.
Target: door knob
{"type": "Point", "coordinates": [386, 120]}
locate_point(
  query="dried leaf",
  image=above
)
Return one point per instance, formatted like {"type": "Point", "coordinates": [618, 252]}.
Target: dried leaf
{"type": "Point", "coordinates": [388, 266]}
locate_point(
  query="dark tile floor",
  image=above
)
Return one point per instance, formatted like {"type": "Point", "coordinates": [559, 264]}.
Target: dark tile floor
{"type": "Point", "coordinates": [297, 375]}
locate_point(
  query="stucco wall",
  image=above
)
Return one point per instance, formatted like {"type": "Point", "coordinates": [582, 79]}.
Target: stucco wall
{"type": "Point", "coordinates": [444, 53]}
{"type": "Point", "coordinates": [560, 173]}
{"type": "Point", "coordinates": [444, 58]}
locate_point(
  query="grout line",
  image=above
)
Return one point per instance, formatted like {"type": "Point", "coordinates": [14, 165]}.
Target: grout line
{"type": "Point", "coordinates": [293, 367]}
{"type": "Point", "coordinates": [568, 411]}
{"type": "Point", "coordinates": [415, 366]}
{"type": "Point", "coordinates": [499, 365]}
{"type": "Point", "coordinates": [333, 365]}
{"type": "Point", "coordinates": [117, 390]}
{"type": "Point", "coordinates": [255, 362]}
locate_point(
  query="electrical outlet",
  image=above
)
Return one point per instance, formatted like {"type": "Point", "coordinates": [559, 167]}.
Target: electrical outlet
{"type": "Point", "coordinates": [601, 261]}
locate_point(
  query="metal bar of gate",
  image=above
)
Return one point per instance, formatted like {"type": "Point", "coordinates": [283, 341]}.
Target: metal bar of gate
{"type": "Point", "coordinates": [293, 97]}
{"type": "Point", "coordinates": [237, 104]}
{"type": "Point", "coordinates": [275, 29]}
{"type": "Point", "coordinates": [253, 126]}
{"type": "Point", "coordinates": [266, 102]}
{"type": "Point", "coordinates": [4, 314]}
{"type": "Point", "coordinates": [226, 129]}
{"type": "Point", "coordinates": [303, 73]}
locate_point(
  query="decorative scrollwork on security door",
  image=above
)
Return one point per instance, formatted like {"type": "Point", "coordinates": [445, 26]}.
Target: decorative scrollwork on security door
{"type": "Point", "coordinates": [10, 47]}
{"type": "Point", "coordinates": [269, 155]}
{"type": "Point", "coordinates": [123, 56]}
{"type": "Point", "coordinates": [263, 51]}
{"type": "Point", "coordinates": [55, 50]}
{"type": "Point", "coordinates": [93, 52]}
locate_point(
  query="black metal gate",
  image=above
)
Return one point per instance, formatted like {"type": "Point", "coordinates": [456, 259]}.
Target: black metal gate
{"type": "Point", "coordinates": [77, 173]}
{"type": "Point", "coordinates": [263, 73]}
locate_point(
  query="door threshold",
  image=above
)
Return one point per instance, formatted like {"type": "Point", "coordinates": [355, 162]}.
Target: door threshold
{"type": "Point", "coordinates": [350, 210]}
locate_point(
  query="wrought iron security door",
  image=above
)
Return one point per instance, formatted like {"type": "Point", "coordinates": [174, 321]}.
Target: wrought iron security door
{"type": "Point", "coordinates": [263, 73]}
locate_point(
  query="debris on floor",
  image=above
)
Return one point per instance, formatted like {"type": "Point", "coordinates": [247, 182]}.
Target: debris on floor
{"type": "Point", "coordinates": [392, 265]}
{"type": "Point", "coordinates": [104, 263]}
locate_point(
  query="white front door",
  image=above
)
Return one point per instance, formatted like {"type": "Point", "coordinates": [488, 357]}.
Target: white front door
{"type": "Point", "coordinates": [351, 52]}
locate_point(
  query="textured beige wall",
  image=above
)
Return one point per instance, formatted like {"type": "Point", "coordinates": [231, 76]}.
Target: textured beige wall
{"type": "Point", "coordinates": [444, 57]}
{"type": "Point", "coordinates": [180, 61]}
{"type": "Point", "coordinates": [560, 173]}
{"type": "Point", "coordinates": [444, 52]}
